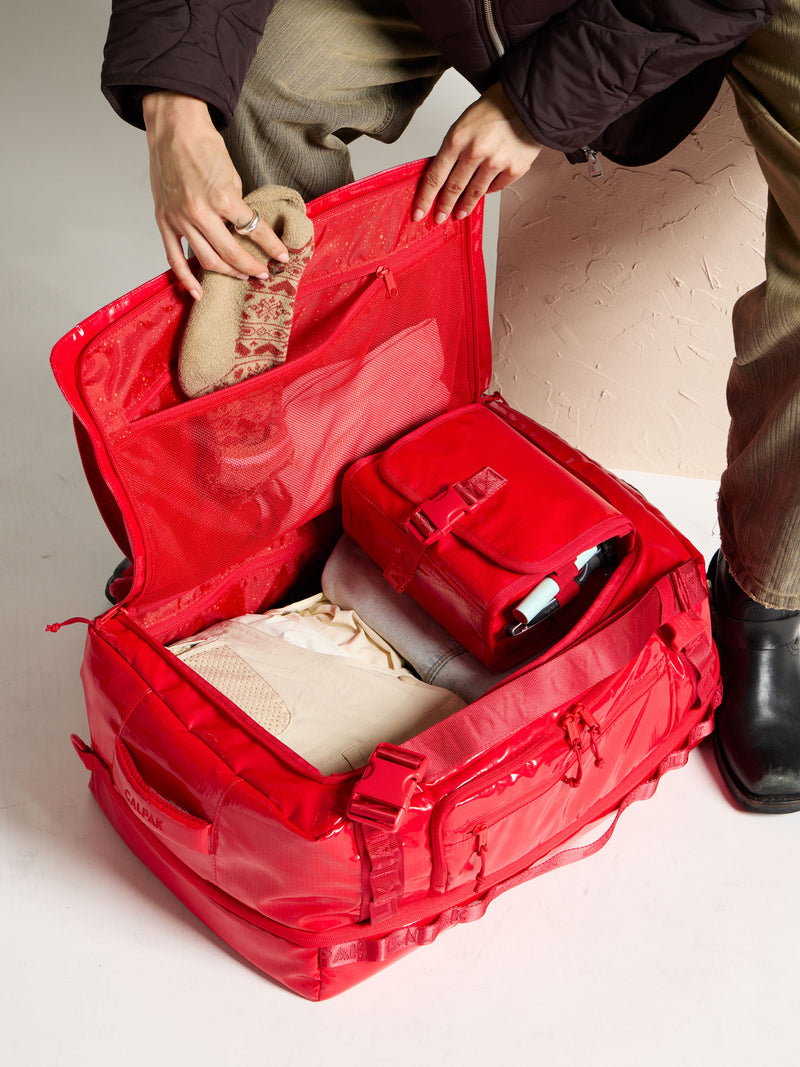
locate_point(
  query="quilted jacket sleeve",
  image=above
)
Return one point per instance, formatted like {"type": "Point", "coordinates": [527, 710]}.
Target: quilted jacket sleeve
{"type": "Point", "coordinates": [199, 47]}
{"type": "Point", "coordinates": [592, 64]}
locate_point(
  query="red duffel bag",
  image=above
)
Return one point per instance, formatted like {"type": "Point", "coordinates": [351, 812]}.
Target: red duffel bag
{"type": "Point", "coordinates": [321, 880]}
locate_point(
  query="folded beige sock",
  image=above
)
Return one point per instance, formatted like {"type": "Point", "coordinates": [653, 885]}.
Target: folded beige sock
{"type": "Point", "coordinates": [241, 328]}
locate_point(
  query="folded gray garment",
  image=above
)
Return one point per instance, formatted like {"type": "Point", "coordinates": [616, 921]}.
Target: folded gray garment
{"type": "Point", "coordinates": [354, 582]}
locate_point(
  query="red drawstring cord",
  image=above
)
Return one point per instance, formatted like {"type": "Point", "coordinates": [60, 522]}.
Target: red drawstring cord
{"type": "Point", "coordinates": [54, 627]}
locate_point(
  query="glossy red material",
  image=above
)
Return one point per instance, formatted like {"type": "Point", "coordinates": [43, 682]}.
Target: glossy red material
{"type": "Point", "coordinates": [467, 515]}
{"type": "Point", "coordinates": [230, 503]}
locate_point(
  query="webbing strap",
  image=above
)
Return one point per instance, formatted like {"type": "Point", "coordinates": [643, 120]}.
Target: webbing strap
{"type": "Point", "coordinates": [544, 687]}
{"type": "Point", "coordinates": [494, 717]}
{"type": "Point", "coordinates": [379, 950]}
{"type": "Point", "coordinates": [385, 881]}
{"type": "Point", "coordinates": [433, 518]}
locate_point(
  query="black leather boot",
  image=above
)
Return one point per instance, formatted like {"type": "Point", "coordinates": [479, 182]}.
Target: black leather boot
{"type": "Point", "coordinates": [757, 736]}
{"type": "Point", "coordinates": [112, 589]}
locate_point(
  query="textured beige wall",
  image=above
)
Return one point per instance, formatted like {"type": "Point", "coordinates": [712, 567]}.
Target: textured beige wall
{"type": "Point", "coordinates": [613, 299]}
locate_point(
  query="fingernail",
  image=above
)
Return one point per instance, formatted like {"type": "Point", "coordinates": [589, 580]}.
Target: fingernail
{"type": "Point", "coordinates": [418, 215]}
{"type": "Point", "coordinates": [461, 214]}
{"type": "Point", "coordinates": [283, 257]}
{"type": "Point", "coordinates": [242, 277]}
{"type": "Point", "coordinates": [440, 218]}
{"type": "Point", "coordinates": [263, 277]}
{"type": "Point", "coordinates": [195, 293]}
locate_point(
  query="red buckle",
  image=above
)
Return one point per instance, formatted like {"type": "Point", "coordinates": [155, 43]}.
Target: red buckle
{"type": "Point", "coordinates": [383, 794]}
{"type": "Point", "coordinates": [436, 516]}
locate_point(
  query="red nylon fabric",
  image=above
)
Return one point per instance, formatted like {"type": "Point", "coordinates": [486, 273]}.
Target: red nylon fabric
{"type": "Point", "coordinates": [382, 949]}
{"type": "Point", "coordinates": [230, 503]}
{"type": "Point", "coordinates": [478, 562]}
{"type": "Point", "coordinates": [261, 462]}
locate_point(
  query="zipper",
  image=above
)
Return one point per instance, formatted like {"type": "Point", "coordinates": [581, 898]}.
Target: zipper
{"type": "Point", "coordinates": [492, 33]}
{"type": "Point", "coordinates": [375, 274]}
{"type": "Point", "coordinates": [595, 166]}
{"type": "Point", "coordinates": [481, 848]}
{"type": "Point", "coordinates": [385, 274]}
{"type": "Point", "coordinates": [54, 627]}
{"type": "Point", "coordinates": [573, 723]}
{"type": "Point", "coordinates": [449, 802]}
{"type": "Point", "coordinates": [403, 257]}
{"type": "Point", "coordinates": [577, 727]}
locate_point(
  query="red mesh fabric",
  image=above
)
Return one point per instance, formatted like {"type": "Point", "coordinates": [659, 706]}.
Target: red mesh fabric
{"type": "Point", "coordinates": [217, 487]}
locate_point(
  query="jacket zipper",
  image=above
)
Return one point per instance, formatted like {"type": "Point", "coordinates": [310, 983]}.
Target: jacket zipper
{"type": "Point", "coordinates": [496, 43]}
{"type": "Point", "coordinates": [492, 33]}
{"type": "Point", "coordinates": [595, 166]}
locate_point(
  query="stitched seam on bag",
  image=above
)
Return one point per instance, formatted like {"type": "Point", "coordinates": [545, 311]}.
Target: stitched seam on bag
{"type": "Point", "coordinates": [215, 827]}
{"type": "Point", "coordinates": [216, 755]}
{"type": "Point", "coordinates": [124, 722]}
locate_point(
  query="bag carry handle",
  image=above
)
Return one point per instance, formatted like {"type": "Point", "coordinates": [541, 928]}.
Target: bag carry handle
{"type": "Point", "coordinates": [153, 810]}
{"type": "Point", "coordinates": [381, 949]}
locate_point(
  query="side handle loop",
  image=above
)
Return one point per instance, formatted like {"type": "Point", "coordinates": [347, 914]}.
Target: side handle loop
{"type": "Point", "coordinates": [157, 814]}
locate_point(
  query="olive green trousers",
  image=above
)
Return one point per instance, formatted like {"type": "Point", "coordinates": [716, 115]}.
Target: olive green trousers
{"type": "Point", "coordinates": [759, 502]}
{"type": "Point", "coordinates": [330, 70]}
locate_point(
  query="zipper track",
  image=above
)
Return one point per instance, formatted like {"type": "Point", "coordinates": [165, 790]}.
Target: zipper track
{"type": "Point", "coordinates": [404, 257]}
{"type": "Point", "coordinates": [211, 401]}
{"type": "Point", "coordinates": [442, 811]}
{"type": "Point", "coordinates": [509, 809]}
{"type": "Point", "coordinates": [178, 617]}
{"type": "Point", "coordinates": [445, 806]}
{"type": "Point", "coordinates": [491, 30]}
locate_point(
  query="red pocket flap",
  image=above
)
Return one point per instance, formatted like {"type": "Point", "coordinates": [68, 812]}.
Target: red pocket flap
{"type": "Point", "coordinates": [537, 515]}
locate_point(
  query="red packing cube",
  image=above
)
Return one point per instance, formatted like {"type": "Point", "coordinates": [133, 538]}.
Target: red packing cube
{"type": "Point", "coordinates": [469, 517]}
{"type": "Point", "coordinates": [230, 503]}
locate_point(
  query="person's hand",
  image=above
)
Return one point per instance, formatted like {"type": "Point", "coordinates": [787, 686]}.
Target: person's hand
{"type": "Point", "coordinates": [197, 192]}
{"type": "Point", "coordinates": [485, 150]}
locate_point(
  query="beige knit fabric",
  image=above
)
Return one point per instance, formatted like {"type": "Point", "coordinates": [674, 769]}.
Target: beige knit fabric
{"type": "Point", "coordinates": [241, 328]}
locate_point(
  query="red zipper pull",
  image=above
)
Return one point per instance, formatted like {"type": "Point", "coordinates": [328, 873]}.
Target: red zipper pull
{"type": "Point", "coordinates": [388, 280]}
{"type": "Point", "coordinates": [594, 732]}
{"type": "Point", "coordinates": [570, 727]}
{"type": "Point", "coordinates": [54, 627]}
{"type": "Point", "coordinates": [481, 848]}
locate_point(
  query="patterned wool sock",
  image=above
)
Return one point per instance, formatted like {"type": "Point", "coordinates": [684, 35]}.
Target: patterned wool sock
{"type": "Point", "coordinates": [241, 328]}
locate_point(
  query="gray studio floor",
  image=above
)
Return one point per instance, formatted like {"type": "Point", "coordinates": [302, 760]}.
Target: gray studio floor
{"type": "Point", "coordinates": [677, 944]}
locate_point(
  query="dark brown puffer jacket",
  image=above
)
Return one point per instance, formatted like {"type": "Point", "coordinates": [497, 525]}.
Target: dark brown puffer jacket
{"type": "Point", "coordinates": [630, 78]}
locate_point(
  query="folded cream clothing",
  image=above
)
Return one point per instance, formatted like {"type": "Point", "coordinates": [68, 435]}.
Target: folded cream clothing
{"type": "Point", "coordinates": [315, 676]}
{"type": "Point", "coordinates": [352, 580]}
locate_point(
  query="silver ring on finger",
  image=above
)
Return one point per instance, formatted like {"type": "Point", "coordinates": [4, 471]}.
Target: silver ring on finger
{"type": "Point", "coordinates": [249, 226]}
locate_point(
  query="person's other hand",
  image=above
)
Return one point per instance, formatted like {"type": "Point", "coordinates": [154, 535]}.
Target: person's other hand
{"type": "Point", "coordinates": [485, 150]}
{"type": "Point", "coordinates": [197, 192]}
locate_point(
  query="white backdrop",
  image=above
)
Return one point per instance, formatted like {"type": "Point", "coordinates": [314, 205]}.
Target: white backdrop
{"type": "Point", "coordinates": [676, 944]}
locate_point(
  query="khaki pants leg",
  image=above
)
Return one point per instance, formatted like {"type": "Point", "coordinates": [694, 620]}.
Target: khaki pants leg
{"type": "Point", "coordinates": [759, 505]}
{"type": "Point", "coordinates": [326, 72]}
